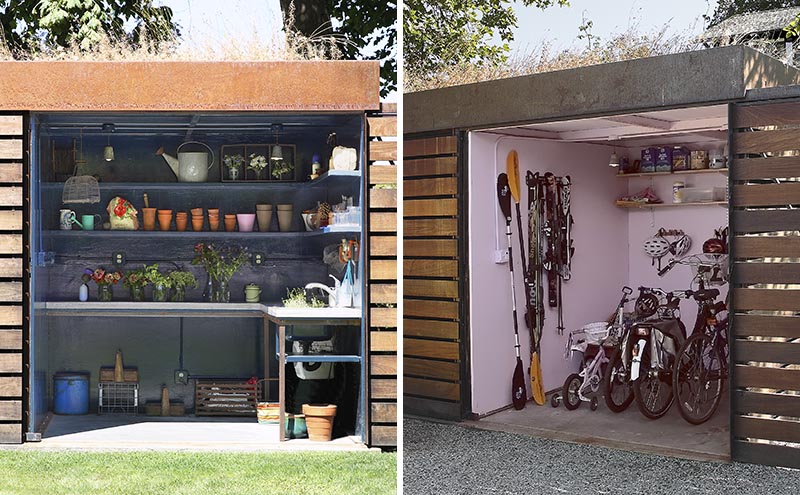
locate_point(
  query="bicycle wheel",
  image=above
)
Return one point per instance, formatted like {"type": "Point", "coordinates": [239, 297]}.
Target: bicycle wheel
{"type": "Point", "coordinates": [653, 389]}
{"type": "Point", "coordinates": [569, 393]}
{"type": "Point", "coordinates": [618, 392]}
{"type": "Point", "coordinates": [698, 378]}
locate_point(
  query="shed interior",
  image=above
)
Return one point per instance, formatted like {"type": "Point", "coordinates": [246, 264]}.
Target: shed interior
{"type": "Point", "coordinates": [608, 255]}
{"type": "Point", "coordinates": [159, 341]}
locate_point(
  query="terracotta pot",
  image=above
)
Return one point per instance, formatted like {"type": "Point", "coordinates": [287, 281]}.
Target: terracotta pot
{"type": "Point", "coordinates": [230, 223]}
{"type": "Point", "coordinates": [165, 219]}
{"type": "Point", "coordinates": [285, 207]}
{"type": "Point", "coordinates": [197, 223]}
{"type": "Point", "coordinates": [213, 212]}
{"type": "Point", "coordinates": [319, 421]}
{"type": "Point", "coordinates": [285, 219]}
{"type": "Point", "coordinates": [246, 221]}
{"type": "Point", "coordinates": [213, 223]}
{"type": "Point", "coordinates": [197, 211]}
{"type": "Point", "coordinates": [149, 218]}
{"type": "Point", "coordinates": [264, 220]}
{"type": "Point", "coordinates": [263, 207]}
{"type": "Point", "coordinates": [181, 219]}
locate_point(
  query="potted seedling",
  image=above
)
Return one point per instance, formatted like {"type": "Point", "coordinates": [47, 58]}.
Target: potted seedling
{"type": "Point", "coordinates": [180, 280]}
{"type": "Point", "coordinates": [161, 282]}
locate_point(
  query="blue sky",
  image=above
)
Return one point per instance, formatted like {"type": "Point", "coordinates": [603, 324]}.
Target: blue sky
{"type": "Point", "coordinates": [214, 20]}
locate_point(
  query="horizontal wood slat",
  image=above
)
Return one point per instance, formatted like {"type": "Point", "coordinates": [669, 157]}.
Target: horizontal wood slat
{"type": "Point", "coordinates": [427, 368]}
{"type": "Point", "coordinates": [11, 149]}
{"type": "Point", "coordinates": [11, 315]}
{"type": "Point", "coordinates": [429, 166]}
{"type": "Point", "coordinates": [382, 174]}
{"type": "Point", "coordinates": [11, 125]}
{"type": "Point", "coordinates": [430, 207]}
{"type": "Point", "coordinates": [760, 115]}
{"type": "Point", "coordinates": [445, 289]}
{"type": "Point", "coordinates": [10, 244]}
{"type": "Point", "coordinates": [430, 388]}
{"type": "Point", "coordinates": [382, 222]}
{"type": "Point", "coordinates": [383, 293]}
{"type": "Point", "coordinates": [761, 377]}
{"type": "Point", "coordinates": [382, 126]}
{"type": "Point", "coordinates": [11, 433]}
{"type": "Point", "coordinates": [11, 196]}
{"type": "Point", "coordinates": [11, 291]}
{"type": "Point", "coordinates": [769, 220]}
{"type": "Point", "coordinates": [11, 339]}
{"type": "Point", "coordinates": [388, 108]}
{"type": "Point", "coordinates": [429, 349]}
{"type": "Point", "coordinates": [766, 299]}
{"type": "Point", "coordinates": [11, 363]}
{"type": "Point", "coordinates": [10, 410]}
{"type": "Point", "coordinates": [767, 141]}
{"type": "Point", "coordinates": [772, 167]}
{"type": "Point", "coordinates": [383, 365]}
{"type": "Point", "coordinates": [766, 326]}
{"type": "Point", "coordinates": [432, 408]}
{"type": "Point", "coordinates": [430, 227]}
{"type": "Point", "coordinates": [766, 247]}
{"type": "Point", "coordinates": [768, 352]}
{"type": "Point", "coordinates": [383, 198]}
{"type": "Point", "coordinates": [429, 146]}
{"type": "Point", "coordinates": [383, 436]}
{"type": "Point", "coordinates": [10, 386]}
{"type": "Point", "coordinates": [440, 186]}
{"type": "Point", "coordinates": [383, 270]}
{"type": "Point", "coordinates": [11, 220]}
{"type": "Point", "coordinates": [770, 455]}
{"type": "Point", "coordinates": [430, 309]}
{"type": "Point", "coordinates": [383, 245]}
{"type": "Point", "coordinates": [383, 317]}
{"type": "Point", "coordinates": [11, 172]}
{"type": "Point", "coordinates": [778, 404]}
{"type": "Point", "coordinates": [11, 267]}
{"type": "Point", "coordinates": [382, 151]}
{"type": "Point", "coordinates": [383, 412]}
{"type": "Point", "coordinates": [431, 248]}
{"type": "Point", "coordinates": [383, 341]}
{"type": "Point", "coordinates": [767, 429]}
{"type": "Point", "coordinates": [430, 268]}
{"type": "Point", "coordinates": [430, 328]}
{"type": "Point", "coordinates": [383, 388]}
{"type": "Point", "coordinates": [767, 273]}
{"type": "Point", "coordinates": [786, 193]}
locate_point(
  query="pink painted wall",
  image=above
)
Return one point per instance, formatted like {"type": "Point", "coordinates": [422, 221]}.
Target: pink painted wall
{"type": "Point", "coordinates": [600, 265]}
{"type": "Point", "coordinates": [608, 254]}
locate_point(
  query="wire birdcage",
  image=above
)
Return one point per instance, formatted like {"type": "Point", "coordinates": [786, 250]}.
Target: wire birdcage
{"type": "Point", "coordinates": [81, 189]}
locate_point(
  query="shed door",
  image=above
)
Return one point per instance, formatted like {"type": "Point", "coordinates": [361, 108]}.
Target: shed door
{"type": "Point", "coordinates": [765, 220]}
{"type": "Point", "coordinates": [13, 242]}
{"type": "Point", "coordinates": [435, 380]}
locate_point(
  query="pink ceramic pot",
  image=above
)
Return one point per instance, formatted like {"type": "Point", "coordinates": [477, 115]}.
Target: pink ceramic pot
{"type": "Point", "coordinates": [246, 221]}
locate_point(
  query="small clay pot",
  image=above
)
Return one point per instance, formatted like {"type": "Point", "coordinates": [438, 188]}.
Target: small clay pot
{"type": "Point", "coordinates": [246, 221]}
{"type": "Point", "coordinates": [165, 219]}
{"type": "Point", "coordinates": [230, 223]}
{"type": "Point", "coordinates": [197, 211]}
{"type": "Point", "coordinates": [213, 223]}
{"type": "Point", "coordinates": [213, 212]}
{"type": "Point", "coordinates": [149, 218]}
{"type": "Point", "coordinates": [181, 219]}
{"type": "Point", "coordinates": [285, 219]}
{"type": "Point", "coordinates": [197, 223]}
{"type": "Point", "coordinates": [264, 218]}
{"type": "Point", "coordinates": [319, 421]}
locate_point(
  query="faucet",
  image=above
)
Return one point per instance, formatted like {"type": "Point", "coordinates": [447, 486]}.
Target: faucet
{"type": "Point", "coordinates": [330, 290]}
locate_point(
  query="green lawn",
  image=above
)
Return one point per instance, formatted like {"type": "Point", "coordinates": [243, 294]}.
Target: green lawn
{"type": "Point", "coordinates": [173, 473]}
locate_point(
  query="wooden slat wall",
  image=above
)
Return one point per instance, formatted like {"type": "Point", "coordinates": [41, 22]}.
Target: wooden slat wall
{"type": "Point", "coordinates": [12, 295]}
{"type": "Point", "coordinates": [432, 354]}
{"type": "Point", "coordinates": [765, 350]}
{"type": "Point", "coordinates": [382, 275]}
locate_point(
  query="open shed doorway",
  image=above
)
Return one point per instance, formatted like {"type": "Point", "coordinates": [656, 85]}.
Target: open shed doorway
{"type": "Point", "coordinates": [608, 241]}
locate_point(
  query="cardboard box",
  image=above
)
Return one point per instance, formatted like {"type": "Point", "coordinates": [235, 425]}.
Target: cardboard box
{"type": "Point", "coordinates": [681, 157]}
{"type": "Point", "coordinates": [648, 163]}
{"type": "Point", "coordinates": [664, 159]}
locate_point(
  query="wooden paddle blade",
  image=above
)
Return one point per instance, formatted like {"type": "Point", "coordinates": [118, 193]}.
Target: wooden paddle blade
{"type": "Point", "coordinates": [504, 196]}
{"type": "Point", "coordinates": [512, 169]}
{"type": "Point", "coordinates": [537, 389]}
{"type": "Point", "coordinates": [519, 395]}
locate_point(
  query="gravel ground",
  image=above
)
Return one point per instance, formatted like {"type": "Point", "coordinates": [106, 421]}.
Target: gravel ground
{"type": "Point", "coordinates": [451, 459]}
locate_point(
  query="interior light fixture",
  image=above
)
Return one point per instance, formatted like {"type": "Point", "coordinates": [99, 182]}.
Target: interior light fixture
{"type": "Point", "coordinates": [613, 160]}
{"type": "Point", "coordinates": [277, 153]}
{"type": "Point", "coordinates": [108, 151]}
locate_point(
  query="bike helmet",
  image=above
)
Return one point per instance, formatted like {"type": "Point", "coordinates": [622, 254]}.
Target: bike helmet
{"type": "Point", "coordinates": [714, 246]}
{"type": "Point", "coordinates": [681, 246]}
{"type": "Point", "coordinates": [656, 246]}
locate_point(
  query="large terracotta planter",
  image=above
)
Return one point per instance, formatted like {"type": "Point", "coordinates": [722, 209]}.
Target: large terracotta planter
{"type": "Point", "coordinates": [319, 421]}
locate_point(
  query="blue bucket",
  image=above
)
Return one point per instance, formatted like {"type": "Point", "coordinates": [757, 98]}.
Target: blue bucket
{"type": "Point", "coordinates": [71, 393]}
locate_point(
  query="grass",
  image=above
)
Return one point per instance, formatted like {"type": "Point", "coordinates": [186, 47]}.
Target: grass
{"type": "Point", "coordinates": [178, 473]}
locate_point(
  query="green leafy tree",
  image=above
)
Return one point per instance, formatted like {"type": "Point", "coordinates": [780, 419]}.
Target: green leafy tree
{"type": "Point", "coordinates": [443, 33]}
{"type": "Point", "coordinates": [28, 25]}
{"type": "Point", "coordinates": [729, 8]}
{"type": "Point", "coordinates": [366, 29]}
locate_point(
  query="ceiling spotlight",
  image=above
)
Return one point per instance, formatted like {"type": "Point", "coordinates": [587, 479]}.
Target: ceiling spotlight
{"type": "Point", "coordinates": [614, 160]}
{"type": "Point", "coordinates": [108, 151]}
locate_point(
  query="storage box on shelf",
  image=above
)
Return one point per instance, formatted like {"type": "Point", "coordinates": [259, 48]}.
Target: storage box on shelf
{"type": "Point", "coordinates": [118, 397]}
{"type": "Point", "coordinates": [226, 397]}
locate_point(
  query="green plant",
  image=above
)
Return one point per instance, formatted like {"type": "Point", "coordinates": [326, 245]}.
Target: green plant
{"type": "Point", "coordinates": [101, 276]}
{"type": "Point", "coordinates": [296, 298]}
{"type": "Point", "coordinates": [220, 263]}
{"type": "Point", "coordinates": [257, 163]}
{"type": "Point", "coordinates": [181, 279]}
{"type": "Point", "coordinates": [280, 167]}
{"type": "Point", "coordinates": [233, 161]}
{"type": "Point", "coordinates": [135, 278]}
{"type": "Point", "coordinates": [155, 277]}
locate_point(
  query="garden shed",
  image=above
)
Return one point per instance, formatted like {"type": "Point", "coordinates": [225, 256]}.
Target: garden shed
{"type": "Point", "coordinates": [76, 136]}
{"type": "Point", "coordinates": [732, 105]}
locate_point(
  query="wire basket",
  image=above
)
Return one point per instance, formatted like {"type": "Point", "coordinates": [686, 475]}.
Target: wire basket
{"type": "Point", "coordinates": [712, 268]}
{"type": "Point", "coordinates": [81, 189]}
{"type": "Point", "coordinates": [118, 397]}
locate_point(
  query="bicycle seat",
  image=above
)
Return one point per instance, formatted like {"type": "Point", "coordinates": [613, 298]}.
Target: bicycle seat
{"type": "Point", "coordinates": [705, 294]}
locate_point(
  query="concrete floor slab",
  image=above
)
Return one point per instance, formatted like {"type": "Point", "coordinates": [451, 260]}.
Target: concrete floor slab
{"type": "Point", "coordinates": [629, 430]}
{"type": "Point", "coordinates": [137, 433]}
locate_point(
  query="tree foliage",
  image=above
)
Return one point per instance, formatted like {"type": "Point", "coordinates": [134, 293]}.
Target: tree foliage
{"type": "Point", "coordinates": [443, 33]}
{"type": "Point", "coordinates": [730, 8]}
{"type": "Point", "coordinates": [365, 28]}
{"type": "Point", "coordinates": [28, 25]}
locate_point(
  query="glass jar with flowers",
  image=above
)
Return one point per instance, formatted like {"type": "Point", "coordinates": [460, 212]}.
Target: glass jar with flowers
{"type": "Point", "coordinates": [105, 280]}
{"type": "Point", "coordinates": [233, 164]}
{"type": "Point", "coordinates": [160, 282]}
{"type": "Point", "coordinates": [257, 164]}
{"type": "Point", "coordinates": [136, 281]}
{"type": "Point", "coordinates": [220, 264]}
{"type": "Point", "coordinates": [281, 167]}
{"type": "Point", "coordinates": [180, 280]}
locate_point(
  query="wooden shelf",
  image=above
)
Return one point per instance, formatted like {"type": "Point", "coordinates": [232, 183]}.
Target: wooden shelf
{"type": "Point", "coordinates": [669, 205]}
{"type": "Point", "coordinates": [677, 172]}
{"type": "Point", "coordinates": [109, 234]}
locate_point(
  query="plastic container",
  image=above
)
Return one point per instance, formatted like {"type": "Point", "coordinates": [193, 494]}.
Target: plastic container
{"type": "Point", "coordinates": [71, 393]}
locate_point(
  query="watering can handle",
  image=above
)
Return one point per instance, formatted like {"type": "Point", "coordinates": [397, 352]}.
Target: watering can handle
{"type": "Point", "coordinates": [201, 144]}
